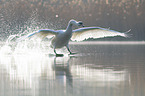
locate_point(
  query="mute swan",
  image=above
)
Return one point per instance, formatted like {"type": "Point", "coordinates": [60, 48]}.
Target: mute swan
{"type": "Point", "coordinates": [61, 38]}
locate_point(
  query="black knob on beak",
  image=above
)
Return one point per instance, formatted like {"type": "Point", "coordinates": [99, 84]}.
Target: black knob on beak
{"type": "Point", "coordinates": [81, 23]}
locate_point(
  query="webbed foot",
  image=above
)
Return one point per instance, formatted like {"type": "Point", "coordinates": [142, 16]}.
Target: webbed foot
{"type": "Point", "coordinates": [59, 55]}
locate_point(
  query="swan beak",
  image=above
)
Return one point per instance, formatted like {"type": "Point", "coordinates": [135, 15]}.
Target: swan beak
{"type": "Point", "coordinates": [81, 24]}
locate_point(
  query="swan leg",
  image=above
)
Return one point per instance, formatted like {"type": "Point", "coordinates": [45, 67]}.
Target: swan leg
{"type": "Point", "coordinates": [57, 55]}
{"type": "Point", "coordinates": [55, 51]}
{"type": "Point", "coordinates": [69, 50]}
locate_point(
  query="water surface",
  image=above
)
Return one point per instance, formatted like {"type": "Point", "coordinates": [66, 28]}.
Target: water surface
{"type": "Point", "coordinates": [97, 69]}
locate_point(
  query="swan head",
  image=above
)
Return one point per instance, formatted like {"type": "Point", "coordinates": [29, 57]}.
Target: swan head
{"type": "Point", "coordinates": [77, 23]}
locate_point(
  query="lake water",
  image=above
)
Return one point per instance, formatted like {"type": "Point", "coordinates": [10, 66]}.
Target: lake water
{"type": "Point", "coordinates": [97, 70]}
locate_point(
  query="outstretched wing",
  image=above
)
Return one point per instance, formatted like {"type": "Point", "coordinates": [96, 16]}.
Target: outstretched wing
{"type": "Point", "coordinates": [94, 32]}
{"type": "Point", "coordinates": [41, 34]}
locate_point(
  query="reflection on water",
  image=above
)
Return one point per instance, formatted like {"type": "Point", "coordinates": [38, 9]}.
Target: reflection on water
{"type": "Point", "coordinates": [104, 70]}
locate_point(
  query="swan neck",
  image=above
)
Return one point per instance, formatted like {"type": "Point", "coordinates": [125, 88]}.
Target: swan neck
{"type": "Point", "coordinates": [69, 28]}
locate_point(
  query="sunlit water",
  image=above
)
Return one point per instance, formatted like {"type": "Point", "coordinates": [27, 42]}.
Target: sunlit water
{"type": "Point", "coordinates": [97, 70]}
{"type": "Point", "coordinates": [28, 68]}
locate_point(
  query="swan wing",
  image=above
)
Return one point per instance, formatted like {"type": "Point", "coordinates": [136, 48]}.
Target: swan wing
{"type": "Point", "coordinates": [94, 32]}
{"type": "Point", "coordinates": [41, 34]}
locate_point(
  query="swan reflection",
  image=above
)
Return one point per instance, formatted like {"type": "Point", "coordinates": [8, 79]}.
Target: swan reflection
{"type": "Point", "coordinates": [35, 73]}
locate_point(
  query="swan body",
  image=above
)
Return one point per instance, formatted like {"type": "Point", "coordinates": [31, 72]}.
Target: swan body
{"type": "Point", "coordinates": [61, 38]}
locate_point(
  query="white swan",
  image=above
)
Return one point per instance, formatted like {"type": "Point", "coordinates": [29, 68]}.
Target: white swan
{"type": "Point", "coordinates": [61, 37]}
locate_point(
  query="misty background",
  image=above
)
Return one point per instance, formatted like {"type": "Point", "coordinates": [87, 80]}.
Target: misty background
{"type": "Point", "coordinates": [24, 16]}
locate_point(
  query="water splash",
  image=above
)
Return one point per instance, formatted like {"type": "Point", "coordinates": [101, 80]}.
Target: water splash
{"type": "Point", "coordinates": [27, 46]}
